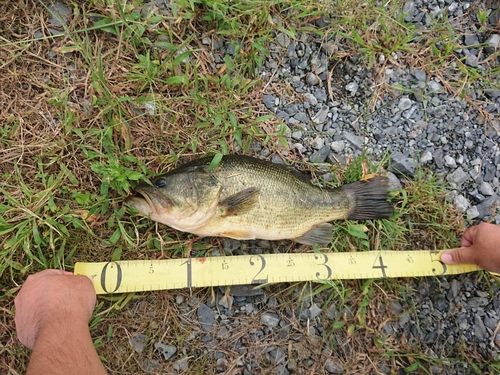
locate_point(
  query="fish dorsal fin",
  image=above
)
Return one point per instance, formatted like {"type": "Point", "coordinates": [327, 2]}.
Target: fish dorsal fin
{"type": "Point", "coordinates": [319, 234]}
{"type": "Point", "coordinates": [240, 202]}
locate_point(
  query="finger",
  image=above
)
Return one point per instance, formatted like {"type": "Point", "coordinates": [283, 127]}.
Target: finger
{"type": "Point", "coordinates": [50, 272]}
{"type": "Point", "coordinates": [468, 236]}
{"type": "Point", "coordinates": [87, 277]}
{"type": "Point", "coordinates": [465, 255]}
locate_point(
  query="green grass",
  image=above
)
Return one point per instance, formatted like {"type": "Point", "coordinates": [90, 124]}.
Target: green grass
{"type": "Point", "coordinates": [128, 92]}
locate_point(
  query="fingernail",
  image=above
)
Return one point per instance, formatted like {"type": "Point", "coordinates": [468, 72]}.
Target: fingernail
{"type": "Point", "coordinates": [446, 258]}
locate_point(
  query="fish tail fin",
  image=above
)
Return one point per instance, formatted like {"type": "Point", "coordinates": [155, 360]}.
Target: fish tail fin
{"type": "Point", "coordinates": [369, 199]}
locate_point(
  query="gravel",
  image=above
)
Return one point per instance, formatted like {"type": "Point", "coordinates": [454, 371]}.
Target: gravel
{"type": "Point", "coordinates": [429, 128]}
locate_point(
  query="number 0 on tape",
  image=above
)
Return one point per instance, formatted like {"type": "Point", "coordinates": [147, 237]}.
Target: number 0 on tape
{"type": "Point", "coordinates": [146, 275]}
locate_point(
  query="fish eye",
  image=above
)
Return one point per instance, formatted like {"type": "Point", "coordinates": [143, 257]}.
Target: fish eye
{"type": "Point", "coordinates": [161, 183]}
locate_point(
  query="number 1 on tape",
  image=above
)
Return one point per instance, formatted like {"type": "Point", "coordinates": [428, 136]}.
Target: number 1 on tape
{"type": "Point", "coordinates": [146, 275]}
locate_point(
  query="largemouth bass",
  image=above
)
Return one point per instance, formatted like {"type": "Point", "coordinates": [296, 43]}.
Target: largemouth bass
{"type": "Point", "coordinates": [246, 198]}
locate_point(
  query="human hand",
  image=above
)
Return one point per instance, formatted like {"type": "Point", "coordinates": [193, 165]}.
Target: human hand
{"type": "Point", "coordinates": [480, 246]}
{"type": "Point", "coordinates": [52, 296]}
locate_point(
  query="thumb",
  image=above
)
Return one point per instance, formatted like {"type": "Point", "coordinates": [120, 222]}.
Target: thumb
{"type": "Point", "coordinates": [464, 255]}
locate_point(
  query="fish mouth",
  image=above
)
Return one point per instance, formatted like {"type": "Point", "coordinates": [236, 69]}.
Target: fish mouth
{"type": "Point", "coordinates": [147, 202]}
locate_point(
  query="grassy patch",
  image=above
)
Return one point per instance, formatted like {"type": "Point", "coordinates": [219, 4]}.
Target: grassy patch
{"type": "Point", "coordinates": [124, 92]}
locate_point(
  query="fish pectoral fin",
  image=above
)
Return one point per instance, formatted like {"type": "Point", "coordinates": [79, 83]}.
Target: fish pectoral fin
{"type": "Point", "coordinates": [319, 234]}
{"type": "Point", "coordinates": [240, 202]}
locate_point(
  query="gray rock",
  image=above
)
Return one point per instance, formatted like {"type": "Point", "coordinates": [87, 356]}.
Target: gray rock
{"type": "Point", "coordinates": [269, 101]}
{"type": "Point", "coordinates": [472, 213]}
{"type": "Point", "coordinates": [489, 171]}
{"type": "Point", "coordinates": [438, 156]}
{"type": "Point", "coordinates": [472, 61]}
{"type": "Point", "coordinates": [479, 329]}
{"type": "Point", "coordinates": [461, 203]}
{"type": "Point", "coordinates": [354, 140]}
{"type": "Point", "coordinates": [458, 177]}
{"type": "Point", "coordinates": [337, 146]}
{"type": "Point", "coordinates": [179, 299]}
{"type": "Point", "coordinates": [229, 245]}
{"type": "Point", "coordinates": [334, 366]}
{"type": "Point", "coordinates": [311, 79]}
{"type": "Point", "coordinates": [450, 162]}
{"type": "Point", "coordinates": [206, 317]}
{"type": "Point", "coordinates": [395, 307]}
{"type": "Point", "coordinates": [402, 165]}
{"type": "Point", "coordinates": [409, 10]}
{"type": "Point", "coordinates": [420, 75]}
{"type": "Point", "coordinates": [394, 183]}
{"type": "Point", "coordinates": [352, 87]}
{"type": "Point", "coordinates": [277, 356]}
{"type": "Point", "coordinates": [149, 365]}
{"type": "Point", "coordinates": [405, 103]}
{"type": "Point", "coordinates": [138, 342]}
{"type": "Point", "coordinates": [311, 99]}
{"type": "Point", "coordinates": [493, 43]}
{"type": "Point", "coordinates": [181, 365]}
{"type": "Point", "coordinates": [434, 87]}
{"type": "Point", "coordinates": [270, 319]}
{"type": "Point", "coordinates": [319, 156]}
{"type": "Point", "coordinates": [283, 40]}
{"type": "Point", "coordinates": [315, 310]}
{"type": "Point", "coordinates": [485, 188]}
{"type": "Point", "coordinates": [321, 116]}
{"type": "Point", "coordinates": [226, 301]}
{"type": "Point", "coordinates": [470, 40]}
{"type": "Point", "coordinates": [166, 350]}
{"type": "Point", "coordinates": [426, 157]}
{"type": "Point", "coordinates": [486, 207]}
{"type": "Point", "coordinates": [59, 13]}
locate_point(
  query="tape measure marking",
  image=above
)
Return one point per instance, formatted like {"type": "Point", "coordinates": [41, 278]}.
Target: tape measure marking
{"type": "Point", "coordinates": [146, 275]}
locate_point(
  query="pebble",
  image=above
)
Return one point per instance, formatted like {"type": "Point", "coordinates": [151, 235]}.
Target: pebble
{"type": "Point", "coordinates": [405, 103]}
{"type": "Point", "coordinates": [321, 116]}
{"type": "Point", "coordinates": [337, 146]}
{"type": "Point", "coordinates": [461, 203]}
{"type": "Point", "coordinates": [352, 87]}
{"type": "Point", "coordinates": [472, 213]}
{"type": "Point", "coordinates": [401, 165]}
{"type": "Point", "coordinates": [270, 319]}
{"type": "Point", "coordinates": [492, 43]}
{"type": "Point", "coordinates": [269, 101]}
{"type": "Point", "coordinates": [206, 317]}
{"type": "Point", "coordinates": [311, 99]}
{"type": "Point", "coordinates": [334, 366]}
{"type": "Point", "coordinates": [426, 157]}
{"type": "Point", "coordinates": [354, 140]}
{"type": "Point", "coordinates": [485, 188]}
{"type": "Point", "coordinates": [311, 79]}
{"type": "Point", "coordinates": [138, 342]}
{"type": "Point", "coordinates": [458, 177]}
{"type": "Point", "coordinates": [166, 350]}
{"type": "Point", "coordinates": [450, 162]}
{"type": "Point", "coordinates": [182, 365]}
{"type": "Point", "coordinates": [59, 14]}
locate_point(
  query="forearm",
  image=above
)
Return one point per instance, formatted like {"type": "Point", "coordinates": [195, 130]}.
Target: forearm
{"type": "Point", "coordinates": [62, 349]}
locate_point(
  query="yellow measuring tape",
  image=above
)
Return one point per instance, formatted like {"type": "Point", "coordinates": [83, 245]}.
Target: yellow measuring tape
{"type": "Point", "coordinates": [146, 275]}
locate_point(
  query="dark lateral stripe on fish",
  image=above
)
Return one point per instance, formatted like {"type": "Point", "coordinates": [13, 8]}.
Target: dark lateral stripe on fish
{"type": "Point", "coordinates": [369, 199]}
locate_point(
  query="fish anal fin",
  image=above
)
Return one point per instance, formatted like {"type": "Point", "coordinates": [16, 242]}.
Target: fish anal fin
{"type": "Point", "coordinates": [319, 234]}
{"type": "Point", "coordinates": [239, 234]}
{"type": "Point", "coordinates": [239, 203]}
